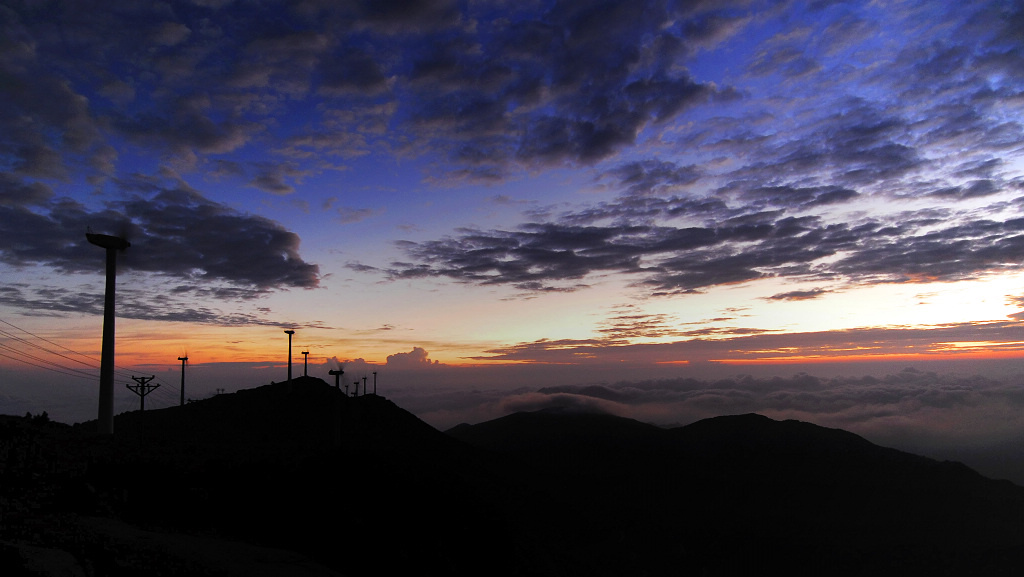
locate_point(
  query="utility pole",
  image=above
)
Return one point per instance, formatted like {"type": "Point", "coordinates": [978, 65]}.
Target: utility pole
{"type": "Point", "coordinates": [337, 378]}
{"type": "Point", "coordinates": [305, 363]}
{"type": "Point", "coordinates": [182, 359]}
{"type": "Point", "coordinates": [142, 389]}
{"type": "Point", "coordinates": [112, 244]}
{"type": "Point", "coordinates": [289, 333]}
{"type": "Point", "coordinates": [356, 385]}
{"type": "Point", "coordinates": [364, 385]}
{"type": "Point", "coordinates": [375, 383]}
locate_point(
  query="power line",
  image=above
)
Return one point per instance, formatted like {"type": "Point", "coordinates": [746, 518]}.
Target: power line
{"type": "Point", "coordinates": [121, 371]}
{"type": "Point", "coordinates": [45, 340]}
{"type": "Point", "coordinates": [42, 360]}
{"type": "Point", "coordinates": [164, 395]}
{"type": "Point", "coordinates": [79, 375]}
{"type": "Point", "coordinates": [61, 368]}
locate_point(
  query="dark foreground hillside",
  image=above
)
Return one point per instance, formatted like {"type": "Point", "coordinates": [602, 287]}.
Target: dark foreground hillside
{"type": "Point", "coordinates": [742, 495]}
{"type": "Point", "coordinates": [297, 479]}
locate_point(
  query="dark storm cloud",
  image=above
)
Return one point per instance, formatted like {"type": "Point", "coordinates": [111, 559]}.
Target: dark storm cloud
{"type": "Point", "coordinates": [855, 143]}
{"type": "Point", "coordinates": [175, 232]}
{"type": "Point", "coordinates": [274, 178]}
{"type": "Point", "coordinates": [575, 82]}
{"type": "Point", "coordinates": [352, 71]}
{"type": "Point", "coordinates": [530, 259]}
{"type": "Point", "coordinates": [185, 126]}
{"type": "Point", "coordinates": [732, 248]}
{"type": "Point", "coordinates": [847, 149]}
{"type": "Point", "coordinates": [799, 295]}
{"type": "Point", "coordinates": [150, 303]}
{"type": "Point", "coordinates": [655, 176]}
{"type": "Point", "coordinates": [14, 192]}
{"type": "Point", "coordinates": [954, 253]}
{"type": "Point", "coordinates": [796, 196]}
{"type": "Point", "coordinates": [627, 326]}
{"type": "Point", "coordinates": [483, 84]}
{"type": "Point", "coordinates": [815, 118]}
{"type": "Point", "coordinates": [228, 246]}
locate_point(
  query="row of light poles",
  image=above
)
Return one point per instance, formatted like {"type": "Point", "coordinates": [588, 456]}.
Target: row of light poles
{"type": "Point", "coordinates": [305, 366]}
{"type": "Point", "coordinates": [113, 245]}
{"type": "Point", "coordinates": [305, 363]}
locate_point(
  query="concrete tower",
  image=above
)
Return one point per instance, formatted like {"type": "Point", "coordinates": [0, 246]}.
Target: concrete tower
{"type": "Point", "coordinates": [112, 244]}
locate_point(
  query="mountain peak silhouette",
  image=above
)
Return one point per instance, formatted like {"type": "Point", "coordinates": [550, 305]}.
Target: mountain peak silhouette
{"type": "Point", "coordinates": [359, 486]}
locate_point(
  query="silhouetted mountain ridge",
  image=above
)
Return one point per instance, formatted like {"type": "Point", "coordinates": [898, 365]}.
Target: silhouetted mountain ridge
{"type": "Point", "coordinates": [792, 492]}
{"type": "Point", "coordinates": [306, 413]}
{"type": "Point", "coordinates": [363, 487]}
{"type": "Point", "coordinates": [555, 428]}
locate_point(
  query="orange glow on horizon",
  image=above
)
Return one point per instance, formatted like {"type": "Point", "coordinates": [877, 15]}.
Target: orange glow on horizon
{"type": "Point", "coordinates": [821, 359]}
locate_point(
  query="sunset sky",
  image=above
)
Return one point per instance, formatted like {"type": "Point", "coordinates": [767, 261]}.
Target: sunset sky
{"type": "Point", "coordinates": [669, 210]}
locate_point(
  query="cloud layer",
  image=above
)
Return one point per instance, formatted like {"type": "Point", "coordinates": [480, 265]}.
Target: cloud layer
{"type": "Point", "coordinates": [486, 85]}
{"type": "Point", "coordinates": [768, 171]}
{"type": "Point", "coordinates": [838, 160]}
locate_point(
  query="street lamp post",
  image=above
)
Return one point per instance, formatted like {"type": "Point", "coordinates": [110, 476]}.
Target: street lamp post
{"type": "Point", "coordinates": [112, 244]}
{"type": "Point", "coordinates": [182, 359]}
{"type": "Point", "coordinates": [289, 333]}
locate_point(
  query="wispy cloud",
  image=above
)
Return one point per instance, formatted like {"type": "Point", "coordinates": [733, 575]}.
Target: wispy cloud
{"type": "Point", "coordinates": [748, 345]}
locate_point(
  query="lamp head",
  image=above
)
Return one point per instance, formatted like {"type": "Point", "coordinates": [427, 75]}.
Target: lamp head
{"type": "Point", "coordinates": [107, 241]}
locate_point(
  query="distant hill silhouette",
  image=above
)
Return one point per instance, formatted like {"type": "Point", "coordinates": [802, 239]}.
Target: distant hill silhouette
{"type": "Point", "coordinates": [299, 479]}
{"type": "Point", "coordinates": [556, 428]}
{"type": "Point", "coordinates": [738, 495]}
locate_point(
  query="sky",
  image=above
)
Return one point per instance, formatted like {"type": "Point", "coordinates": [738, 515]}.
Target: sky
{"type": "Point", "coordinates": [667, 210]}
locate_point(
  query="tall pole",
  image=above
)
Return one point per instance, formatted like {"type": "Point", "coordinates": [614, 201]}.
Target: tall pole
{"type": "Point", "coordinates": [112, 244]}
{"type": "Point", "coordinates": [182, 359]}
{"type": "Point", "coordinates": [305, 363]}
{"type": "Point", "coordinates": [289, 333]}
{"type": "Point", "coordinates": [374, 382]}
{"type": "Point", "coordinates": [142, 389]}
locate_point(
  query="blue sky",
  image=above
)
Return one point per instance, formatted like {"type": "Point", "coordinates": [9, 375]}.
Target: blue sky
{"type": "Point", "coordinates": [465, 192]}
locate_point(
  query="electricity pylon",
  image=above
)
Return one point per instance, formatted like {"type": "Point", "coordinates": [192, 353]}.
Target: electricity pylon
{"type": "Point", "coordinates": [142, 389]}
